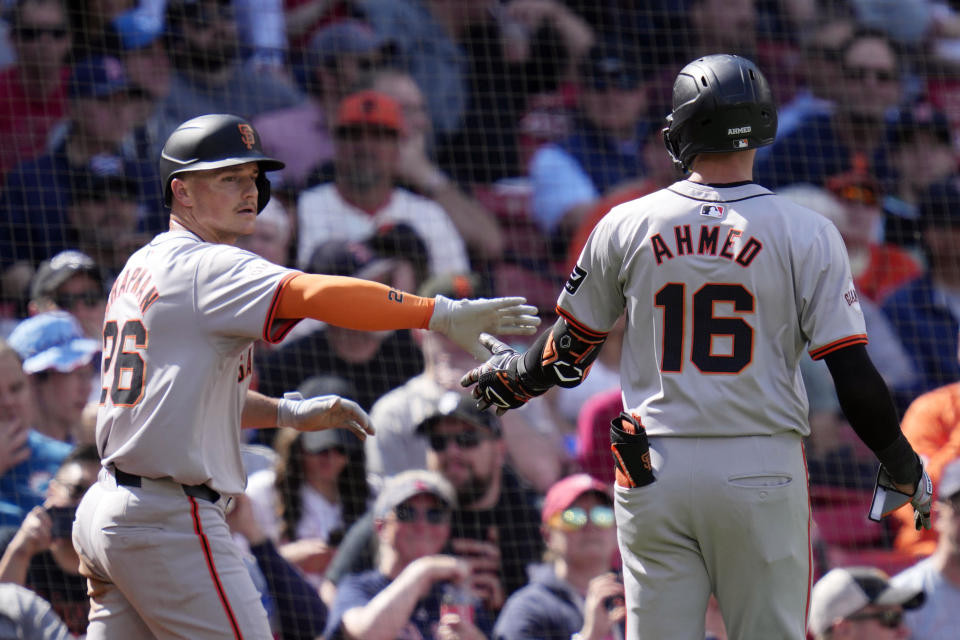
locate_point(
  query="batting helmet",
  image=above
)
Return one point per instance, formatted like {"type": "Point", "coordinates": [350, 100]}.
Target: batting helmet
{"type": "Point", "coordinates": [215, 141]}
{"type": "Point", "coordinates": [720, 103]}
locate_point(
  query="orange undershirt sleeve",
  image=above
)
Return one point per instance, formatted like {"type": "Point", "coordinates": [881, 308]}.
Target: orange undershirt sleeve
{"type": "Point", "coordinates": [352, 303]}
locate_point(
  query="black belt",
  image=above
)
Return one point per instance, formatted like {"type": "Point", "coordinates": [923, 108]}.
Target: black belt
{"type": "Point", "coordinates": [201, 491]}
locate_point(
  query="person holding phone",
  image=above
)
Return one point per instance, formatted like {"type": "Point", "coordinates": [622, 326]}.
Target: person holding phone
{"type": "Point", "coordinates": [576, 593]}
{"type": "Point", "coordinates": [39, 553]}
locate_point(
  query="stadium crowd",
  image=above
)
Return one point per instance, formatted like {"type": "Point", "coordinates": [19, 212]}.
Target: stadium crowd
{"type": "Point", "coordinates": [465, 148]}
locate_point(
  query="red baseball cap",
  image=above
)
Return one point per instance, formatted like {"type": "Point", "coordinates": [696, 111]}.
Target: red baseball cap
{"type": "Point", "coordinates": [565, 492]}
{"type": "Point", "coordinates": [370, 108]}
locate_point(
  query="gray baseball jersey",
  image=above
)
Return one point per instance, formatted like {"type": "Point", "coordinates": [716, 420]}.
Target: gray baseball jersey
{"type": "Point", "coordinates": [179, 330]}
{"type": "Point", "coordinates": [723, 289]}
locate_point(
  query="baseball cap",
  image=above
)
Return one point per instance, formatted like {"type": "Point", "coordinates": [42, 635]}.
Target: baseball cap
{"type": "Point", "coordinates": [87, 185]}
{"type": "Point", "coordinates": [371, 109]}
{"type": "Point", "coordinates": [842, 592]}
{"type": "Point", "coordinates": [52, 341]}
{"type": "Point", "coordinates": [949, 484]}
{"type": "Point", "coordinates": [135, 28]}
{"type": "Point", "coordinates": [54, 272]}
{"type": "Point", "coordinates": [355, 259]}
{"type": "Point", "coordinates": [407, 484]}
{"type": "Point", "coordinates": [939, 204]}
{"type": "Point", "coordinates": [348, 36]}
{"type": "Point", "coordinates": [604, 67]}
{"type": "Point", "coordinates": [317, 441]}
{"type": "Point", "coordinates": [855, 186]}
{"type": "Point", "coordinates": [565, 492]}
{"type": "Point", "coordinates": [453, 404]}
{"type": "Point", "coordinates": [98, 76]}
{"type": "Point", "coordinates": [918, 117]}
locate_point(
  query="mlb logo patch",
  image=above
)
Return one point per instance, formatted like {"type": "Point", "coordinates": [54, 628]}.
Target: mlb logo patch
{"type": "Point", "coordinates": [742, 143]}
{"type": "Point", "coordinates": [712, 210]}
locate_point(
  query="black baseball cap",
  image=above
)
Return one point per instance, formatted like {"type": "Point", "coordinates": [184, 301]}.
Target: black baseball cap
{"type": "Point", "coordinates": [461, 406]}
{"type": "Point", "coordinates": [54, 272]}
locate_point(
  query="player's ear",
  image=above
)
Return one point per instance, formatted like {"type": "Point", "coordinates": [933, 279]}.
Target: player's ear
{"type": "Point", "coordinates": [181, 191]}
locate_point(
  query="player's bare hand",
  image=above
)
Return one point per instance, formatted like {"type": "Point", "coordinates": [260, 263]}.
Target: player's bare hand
{"type": "Point", "coordinates": [13, 444]}
{"type": "Point", "coordinates": [604, 606]}
{"type": "Point", "coordinates": [33, 536]}
{"type": "Point", "coordinates": [498, 379]}
{"type": "Point", "coordinates": [463, 321]}
{"type": "Point", "coordinates": [323, 412]}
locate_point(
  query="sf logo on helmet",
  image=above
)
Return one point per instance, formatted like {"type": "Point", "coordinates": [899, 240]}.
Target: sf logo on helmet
{"type": "Point", "coordinates": [247, 135]}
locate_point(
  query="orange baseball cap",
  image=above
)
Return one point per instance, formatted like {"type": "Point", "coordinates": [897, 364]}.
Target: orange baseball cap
{"type": "Point", "coordinates": [370, 108]}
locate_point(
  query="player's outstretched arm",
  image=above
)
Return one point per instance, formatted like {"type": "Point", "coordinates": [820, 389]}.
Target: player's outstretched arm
{"type": "Point", "coordinates": [869, 409]}
{"type": "Point", "coordinates": [370, 306]}
{"type": "Point", "coordinates": [508, 379]}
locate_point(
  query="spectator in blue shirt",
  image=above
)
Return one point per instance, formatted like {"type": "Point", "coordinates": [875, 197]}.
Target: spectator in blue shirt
{"type": "Point", "coordinates": [576, 591]}
{"type": "Point", "coordinates": [925, 312]}
{"type": "Point", "coordinates": [37, 192]}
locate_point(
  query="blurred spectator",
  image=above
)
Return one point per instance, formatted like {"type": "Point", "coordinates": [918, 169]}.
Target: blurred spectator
{"type": "Point", "coordinates": [300, 135]}
{"type": "Point", "coordinates": [822, 69]}
{"type": "Point", "coordinates": [859, 603]}
{"type": "Point", "coordinates": [29, 458]}
{"type": "Point", "coordinates": [317, 489]}
{"type": "Point", "coordinates": [364, 195]}
{"type": "Point", "coordinates": [272, 238]}
{"type": "Point", "coordinates": [925, 312]}
{"type": "Point", "coordinates": [576, 590]}
{"type": "Point", "coordinates": [58, 357]}
{"type": "Point", "coordinates": [659, 171]}
{"type": "Point", "coordinates": [24, 614]}
{"type": "Point", "coordinates": [374, 361]}
{"type": "Point", "coordinates": [402, 597]}
{"type": "Point", "coordinates": [603, 151]}
{"type": "Point", "coordinates": [593, 434]}
{"type": "Point", "coordinates": [477, 63]}
{"type": "Point", "coordinates": [39, 554]}
{"type": "Point", "coordinates": [877, 267]}
{"type": "Point", "coordinates": [71, 281]}
{"type": "Point", "coordinates": [497, 522]}
{"type": "Point", "coordinates": [417, 168]}
{"type": "Point", "coordinates": [304, 18]}
{"type": "Point", "coordinates": [201, 39]}
{"type": "Point", "coordinates": [921, 152]}
{"type": "Point", "coordinates": [932, 425]}
{"type": "Point", "coordinates": [853, 135]}
{"type": "Point", "coordinates": [939, 575]}
{"type": "Point", "coordinates": [38, 192]}
{"type": "Point", "coordinates": [263, 35]}
{"type": "Point", "coordinates": [33, 91]}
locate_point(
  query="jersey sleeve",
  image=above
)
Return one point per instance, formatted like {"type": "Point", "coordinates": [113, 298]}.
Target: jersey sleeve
{"type": "Point", "coordinates": [593, 297]}
{"type": "Point", "coordinates": [828, 304]}
{"type": "Point", "coordinates": [237, 293]}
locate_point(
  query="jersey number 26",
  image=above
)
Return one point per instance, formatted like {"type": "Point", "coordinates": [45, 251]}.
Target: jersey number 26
{"type": "Point", "coordinates": [123, 363]}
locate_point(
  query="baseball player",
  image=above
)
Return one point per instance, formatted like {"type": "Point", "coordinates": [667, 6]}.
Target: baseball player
{"type": "Point", "coordinates": [724, 284]}
{"type": "Point", "coordinates": [178, 339]}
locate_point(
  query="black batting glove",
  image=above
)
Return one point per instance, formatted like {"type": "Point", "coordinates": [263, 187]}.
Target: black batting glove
{"type": "Point", "coordinates": [498, 379]}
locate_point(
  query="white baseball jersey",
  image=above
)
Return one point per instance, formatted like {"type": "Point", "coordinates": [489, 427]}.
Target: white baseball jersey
{"type": "Point", "coordinates": [179, 330]}
{"type": "Point", "coordinates": [324, 215]}
{"type": "Point", "coordinates": [723, 288]}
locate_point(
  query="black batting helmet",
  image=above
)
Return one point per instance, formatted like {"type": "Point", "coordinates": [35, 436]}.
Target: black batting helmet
{"type": "Point", "coordinates": [720, 103]}
{"type": "Point", "coordinates": [215, 141]}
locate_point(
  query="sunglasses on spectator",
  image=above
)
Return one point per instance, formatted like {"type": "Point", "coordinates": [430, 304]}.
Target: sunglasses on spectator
{"type": "Point", "coordinates": [74, 491]}
{"type": "Point", "coordinates": [70, 300]}
{"type": "Point", "coordinates": [464, 440]}
{"type": "Point", "coordinates": [576, 518]}
{"type": "Point", "coordinates": [862, 73]}
{"type": "Point", "coordinates": [889, 618]}
{"type": "Point", "coordinates": [28, 33]}
{"type": "Point", "coordinates": [433, 515]}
